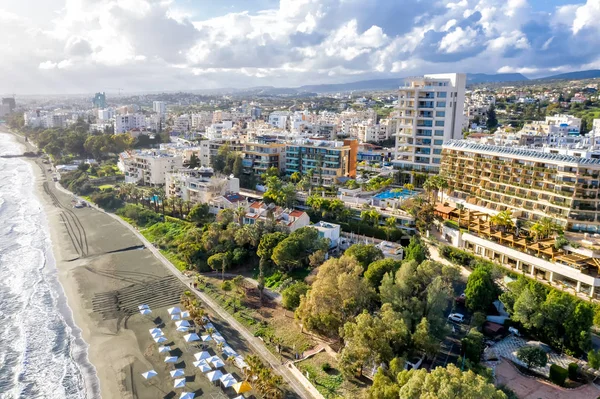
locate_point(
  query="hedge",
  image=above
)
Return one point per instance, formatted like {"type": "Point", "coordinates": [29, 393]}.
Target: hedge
{"type": "Point", "coordinates": [558, 375]}
{"type": "Point", "coordinates": [573, 368]}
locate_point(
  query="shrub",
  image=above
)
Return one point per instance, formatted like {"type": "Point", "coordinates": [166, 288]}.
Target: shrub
{"type": "Point", "coordinates": [532, 356]}
{"type": "Point", "coordinates": [291, 295]}
{"type": "Point", "coordinates": [452, 224]}
{"type": "Point", "coordinates": [573, 371]}
{"type": "Point", "coordinates": [558, 375]}
{"type": "Point", "coordinates": [107, 200]}
{"type": "Point", "coordinates": [141, 217]}
{"type": "Point", "coordinates": [226, 286]}
{"type": "Point", "coordinates": [594, 359]}
{"type": "Point", "coordinates": [326, 367]}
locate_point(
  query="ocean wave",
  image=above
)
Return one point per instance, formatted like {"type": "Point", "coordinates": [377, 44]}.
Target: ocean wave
{"type": "Point", "coordinates": [42, 352]}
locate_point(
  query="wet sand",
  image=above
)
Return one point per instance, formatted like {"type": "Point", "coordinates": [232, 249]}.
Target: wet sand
{"type": "Point", "coordinates": [106, 273]}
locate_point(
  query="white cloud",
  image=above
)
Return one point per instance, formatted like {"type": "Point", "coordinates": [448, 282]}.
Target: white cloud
{"type": "Point", "coordinates": [586, 16]}
{"type": "Point", "coordinates": [458, 40]}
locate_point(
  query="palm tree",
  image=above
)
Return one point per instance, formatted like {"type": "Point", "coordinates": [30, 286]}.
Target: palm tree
{"type": "Point", "coordinates": [210, 331]}
{"type": "Point", "coordinates": [188, 205]}
{"type": "Point", "coordinates": [429, 185]}
{"type": "Point", "coordinates": [220, 346]}
{"type": "Point", "coordinates": [545, 228]}
{"type": "Point", "coordinates": [409, 186]}
{"type": "Point", "coordinates": [177, 201]}
{"type": "Point", "coordinates": [503, 220]}
{"type": "Point", "coordinates": [390, 225]}
{"type": "Point", "coordinates": [239, 213]}
{"type": "Point", "coordinates": [460, 208]}
{"type": "Point", "coordinates": [441, 184]}
{"type": "Point", "coordinates": [295, 177]}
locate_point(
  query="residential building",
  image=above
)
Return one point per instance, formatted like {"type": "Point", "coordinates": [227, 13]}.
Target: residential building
{"type": "Point", "coordinates": [127, 122]}
{"type": "Point", "coordinates": [262, 154]}
{"type": "Point", "coordinates": [182, 123]}
{"type": "Point", "coordinates": [290, 219]}
{"type": "Point", "coordinates": [199, 185]}
{"type": "Point", "coordinates": [4, 110]}
{"type": "Point", "coordinates": [105, 114]}
{"type": "Point", "coordinates": [430, 112]}
{"type": "Point", "coordinates": [216, 130]}
{"type": "Point", "coordinates": [557, 125]}
{"type": "Point", "coordinates": [330, 160]}
{"type": "Point", "coordinates": [221, 116]}
{"type": "Point", "coordinates": [201, 120]}
{"type": "Point", "coordinates": [160, 107]}
{"type": "Point", "coordinates": [329, 230]}
{"type": "Point", "coordinates": [228, 201]}
{"type": "Point", "coordinates": [10, 102]}
{"type": "Point", "coordinates": [279, 119]}
{"type": "Point", "coordinates": [532, 184]}
{"type": "Point", "coordinates": [148, 167]}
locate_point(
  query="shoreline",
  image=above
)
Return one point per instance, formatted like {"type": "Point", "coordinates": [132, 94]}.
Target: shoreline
{"type": "Point", "coordinates": [80, 348]}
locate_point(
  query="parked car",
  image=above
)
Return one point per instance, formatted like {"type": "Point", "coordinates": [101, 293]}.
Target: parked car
{"type": "Point", "coordinates": [461, 298]}
{"type": "Point", "coordinates": [456, 317]}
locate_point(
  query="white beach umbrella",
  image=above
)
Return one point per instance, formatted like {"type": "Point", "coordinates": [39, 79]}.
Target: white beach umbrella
{"type": "Point", "coordinates": [175, 317]}
{"type": "Point", "coordinates": [226, 377]}
{"type": "Point", "coordinates": [218, 338]}
{"type": "Point", "coordinates": [229, 382]}
{"type": "Point", "coordinates": [216, 362]}
{"type": "Point", "coordinates": [160, 340]}
{"type": "Point", "coordinates": [206, 338]}
{"type": "Point", "coordinates": [191, 337]}
{"type": "Point", "coordinates": [187, 395]}
{"type": "Point", "coordinates": [149, 374]}
{"type": "Point", "coordinates": [174, 310]}
{"type": "Point", "coordinates": [239, 397]}
{"type": "Point", "coordinates": [164, 349]}
{"type": "Point", "coordinates": [214, 375]}
{"type": "Point", "coordinates": [171, 359]}
{"type": "Point", "coordinates": [157, 334]}
{"type": "Point", "coordinates": [145, 312]}
{"type": "Point", "coordinates": [182, 329]}
{"type": "Point", "coordinates": [202, 355]}
{"type": "Point", "coordinates": [155, 330]}
{"type": "Point", "coordinates": [182, 323]}
{"type": "Point", "coordinates": [184, 314]}
{"type": "Point", "coordinates": [229, 351]}
{"type": "Point", "coordinates": [177, 373]}
{"type": "Point", "coordinates": [144, 306]}
{"type": "Point", "coordinates": [210, 325]}
{"type": "Point", "coordinates": [179, 383]}
{"type": "Point", "coordinates": [202, 365]}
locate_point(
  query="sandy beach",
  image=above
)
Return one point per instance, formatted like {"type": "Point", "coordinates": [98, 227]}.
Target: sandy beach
{"type": "Point", "coordinates": [106, 272]}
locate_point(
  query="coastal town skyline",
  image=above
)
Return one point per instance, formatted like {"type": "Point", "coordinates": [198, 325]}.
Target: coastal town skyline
{"type": "Point", "coordinates": [137, 45]}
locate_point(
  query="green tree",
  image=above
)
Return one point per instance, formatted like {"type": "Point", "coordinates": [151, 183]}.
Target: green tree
{"type": "Point", "coordinates": [338, 294]}
{"type": "Point", "coordinates": [220, 262]}
{"type": "Point", "coordinates": [290, 296]}
{"type": "Point", "coordinates": [378, 269]}
{"type": "Point", "coordinates": [532, 356]}
{"type": "Point", "coordinates": [492, 120]}
{"type": "Point", "coordinates": [365, 254]}
{"type": "Point", "coordinates": [199, 213]}
{"type": "Point", "coordinates": [416, 250]}
{"type": "Point", "coordinates": [481, 290]}
{"type": "Point", "coordinates": [267, 244]}
{"type": "Point", "coordinates": [194, 161]}
{"type": "Point", "coordinates": [472, 345]}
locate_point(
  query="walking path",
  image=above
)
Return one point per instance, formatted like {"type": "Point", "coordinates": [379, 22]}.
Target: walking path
{"type": "Point", "coordinates": [273, 295]}
{"type": "Point", "coordinates": [531, 388]}
{"type": "Point", "coordinates": [301, 388]}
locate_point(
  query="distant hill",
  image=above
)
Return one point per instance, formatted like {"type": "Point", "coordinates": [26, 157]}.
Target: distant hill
{"type": "Point", "coordinates": [474, 78]}
{"type": "Point", "coordinates": [591, 74]}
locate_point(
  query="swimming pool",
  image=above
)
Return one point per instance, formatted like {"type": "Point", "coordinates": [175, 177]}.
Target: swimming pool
{"type": "Point", "coordinates": [400, 194]}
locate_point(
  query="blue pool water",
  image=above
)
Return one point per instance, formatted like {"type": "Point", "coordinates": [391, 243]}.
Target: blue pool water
{"type": "Point", "coordinates": [401, 194]}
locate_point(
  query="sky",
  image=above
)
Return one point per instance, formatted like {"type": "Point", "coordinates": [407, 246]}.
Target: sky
{"type": "Point", "coordinates": [81, 46]}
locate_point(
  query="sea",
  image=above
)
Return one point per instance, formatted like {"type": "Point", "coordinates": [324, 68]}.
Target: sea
{"type": "Point", "coordinates": [42, 353]}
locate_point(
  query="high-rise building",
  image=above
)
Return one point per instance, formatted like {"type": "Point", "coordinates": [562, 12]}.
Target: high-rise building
{"type": "Point", "coordinates": [99, 100]}
{"type": "Point", "coordinates": [10, 102]}
{"type": "Point", "coordinates": [430, 112]}
{"type": "Point", "coordinates": [329, 160]}
{"type": "Point", "coordinates": [160, 107]}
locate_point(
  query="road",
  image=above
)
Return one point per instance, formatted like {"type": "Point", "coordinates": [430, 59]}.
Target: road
{"type": "Point", "coordinates": [257, 345]}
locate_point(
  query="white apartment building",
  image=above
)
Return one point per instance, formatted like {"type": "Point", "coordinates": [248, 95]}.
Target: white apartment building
{"type": "Point", "coordinates": [220, 116]}
{"type": "Point", "coordinates": [201, 120]}
{"type": "Point", "coordinates": [148, 167]}
{"type": "Point", "coordinates": [279, 119]}
{"type": "Point", "coordinates": [105, 114]}
{"type": "Point", "coordinates": [430, 112]}
{"type": "Point", "coordinates": [199, 186]}
{"type": "Point", "coordinates": [127, 122]}
{"type": "Point", "coordinates": [160, 107]}
{"type": "Point", "coordinates": [562, 125]}
{"type": "Point", "coordinates": [215, 131]}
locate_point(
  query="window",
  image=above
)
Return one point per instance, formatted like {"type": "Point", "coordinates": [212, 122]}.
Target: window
{"type": "Point", "coordinates": [439, 123]}
{"type": "Point", "coordinates": [438, 142]}
{"type": "Point", "coordinates": [437, 151]}
{"type": "Point", "coordinates": [439, 133]}
{"type": "Point", "coordinates": [435, 160]}
{"type": "Point", "coordinates": [441, 104]}
{"type": "Point", "coordinates": [442, 94]}
{"type": "Point", "coordinates": [440, 114]}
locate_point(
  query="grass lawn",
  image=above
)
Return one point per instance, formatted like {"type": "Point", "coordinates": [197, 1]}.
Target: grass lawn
{"type": "Point", "coordinates": [331, 384]}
